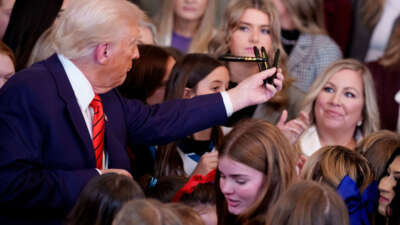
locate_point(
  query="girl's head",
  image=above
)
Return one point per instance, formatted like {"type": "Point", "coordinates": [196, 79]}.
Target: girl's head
{"type": "Point", "coordinates": [255, 167]}
{"type": "Point", "coordinates": [7, 63]}
{"type": "Point", "coordinates": [248, 23]}
{"type": "Point", "coordinates": [102, 198]}
{"type": "Point", "coordinates": [331, 164]}
{"type": "Point", "coordinates": [343, 97]}
{"type": "Point", "coordinates": [196, 74]}
{"type": "Point", "coordinates": [203, 201]}
{"type": "Point", "coordinates": [149, 74]}
{"type": "Point", "coordinates": [377, 149]}
{"type": "Point", "coordinates": [309, 203]}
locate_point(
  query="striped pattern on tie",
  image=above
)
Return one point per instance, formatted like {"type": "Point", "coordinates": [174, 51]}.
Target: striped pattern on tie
{"type": "Point", "coordinates": [98, 130]}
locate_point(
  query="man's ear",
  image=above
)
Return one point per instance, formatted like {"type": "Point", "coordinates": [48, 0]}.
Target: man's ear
{"type": "Point", "coordinates": [102, 53]}
{"type": "Point", "coordinates": [187, 93]}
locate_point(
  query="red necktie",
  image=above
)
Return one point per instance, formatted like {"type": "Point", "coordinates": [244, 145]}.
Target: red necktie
{"type": "Point", "coordinates": [98, 130]}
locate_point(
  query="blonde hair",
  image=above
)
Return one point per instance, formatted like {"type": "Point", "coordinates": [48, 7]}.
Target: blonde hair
{"type": "Point", "coordinates": [377, 148]}
{"type": "Point", "coordinates": [309, 203]}
{"type": "Point", "coordinates": [307, 15]}
{"type": "Point", "coordinates": [43, 48]}
{"type": "Point", "coordinates": [370, 114]}
{"type": "Point", "coordinates": [220, 43]}
{"type": "Point", "coordinates": [330, 164]}
{"type": "Point", "coordinates": [146, 212]}
{"type": "Point", "coordinates": [86, 23]}
{"type": "Point", "coordinates": [391, 57]}
{"type": "Point", "coordinates": [262, 146]}
{"type": "Point", "coordinates": [164, 21]}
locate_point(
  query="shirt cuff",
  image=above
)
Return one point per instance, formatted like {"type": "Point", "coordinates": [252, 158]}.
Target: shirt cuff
{"type": "Point", "coordinates": [227, 103]}
{"type": "Point", "coordinates": [99, 171]}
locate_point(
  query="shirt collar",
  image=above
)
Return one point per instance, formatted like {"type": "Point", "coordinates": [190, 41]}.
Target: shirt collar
{"type": "Point", "coordinates": [80, 84]}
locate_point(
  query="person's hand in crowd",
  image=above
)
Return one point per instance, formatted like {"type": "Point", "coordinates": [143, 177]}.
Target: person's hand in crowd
{"type": "Point", "coordinates": [293, 128]}
{"type": "Point", "coordinates": [208, 162]}
{"type": "Point", "coordinates": [118, 171]}
{"type": "Point", "coordinates": [251, 91]}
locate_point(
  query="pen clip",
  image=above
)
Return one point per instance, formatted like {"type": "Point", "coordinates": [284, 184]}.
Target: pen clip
{"type": "Point", "coordinates": [261, 66]}
{"type": "Point", "coordinates": [265, 55]}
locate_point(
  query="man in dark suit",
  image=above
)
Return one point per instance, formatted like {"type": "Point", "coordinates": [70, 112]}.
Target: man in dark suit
{"type": "Point", "coordinates": [48, 150]}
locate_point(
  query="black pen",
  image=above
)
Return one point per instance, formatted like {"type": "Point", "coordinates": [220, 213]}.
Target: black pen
{"type": "Point", "coordinates": [233, 58]}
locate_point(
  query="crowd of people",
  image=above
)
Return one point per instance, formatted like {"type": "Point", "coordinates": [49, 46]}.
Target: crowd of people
{"type": "Point", "coordinates": [114, 114]}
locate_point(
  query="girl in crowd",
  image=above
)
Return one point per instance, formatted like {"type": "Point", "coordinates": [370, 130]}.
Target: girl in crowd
{"type": "Point", "coordinates": [186, 25]}
{"type": "Point", "coordinates": [389, 189]}
{"type": "Point", "coordinates": [7, 63]}
{"type": "Point", "coordinates": [146, 81]}
{"type": "Point", "coordinates": [255, 167]}
{"type": "Point", "coordinates": [29, 19]}
{"type": "Point", "coordinates": [305, 40]}
{"type": "Point", "coordinates": [102, 198]}
{"type": "Point", "coordinates": [309, 203]}
{"type": "Point", "coordinates": [349, 173]}
{"type": "Point", "coordinates": [341, 106]}
{"type": "Point", "coordinates": [377, 148]}
{"type": "Point", "coordinates": [256, 23]}
{"type": "Point", "coordinates": [195, 74]}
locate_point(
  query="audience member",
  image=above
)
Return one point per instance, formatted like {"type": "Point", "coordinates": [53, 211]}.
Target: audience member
{"type": "Point", "coordinates": [305, 40]}
{"type": "Point", "coordinates": [389, 189]}
{"type": "Point", "coordinates": [186, 214]}
{"type": "Point", "coordinates": [386, 74]}
{"type": "Point", "coordinates": [373, 22]}
{"type": "Point", "coordinates": [148, 32]}
{"type": "Point", "coordinates": [256, 23]}
{"type": "Point", "coordinates": [203, 200]}
{"type": "Point", "coordinates": [146, 212]}
{"type": "Point", "coordinates": [349, 173]}
{"type": "Point", "coordinates": [196, 74]}
{"type": "Point", "coordinates": [102, 198]}
{"type": "Point", "coordinates": [29, 19]}
{"type": "Point", "coordinates": [341, 106]}
{"type": "Point", "coordinates": [255, 167]}
{"type": "Point", "coordinates": [309, 203]}
{"type": "Point", "coordinates": [164, 188]}
{"type": "Point", "coordinates": [50, 146]}
{"type": "Point", "coordinates": [5, 13]}
{"type": "Point", "coordinates": [7, 63]}
{"type": "Point", "coordinates": [377, 148]}
{"type": "Point", "coordinates": [186, 25]}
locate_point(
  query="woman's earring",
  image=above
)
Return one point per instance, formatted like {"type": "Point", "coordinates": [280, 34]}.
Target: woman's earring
{"type": "Point", "coordinates": [359, 123]}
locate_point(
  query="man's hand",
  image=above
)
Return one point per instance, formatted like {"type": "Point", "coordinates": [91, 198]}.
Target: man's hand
{"type": "Point", "coordinates": [251, 90]}
{"type": "Point", "coordinates": [293, 128]}
{"type": "Point", "coordinates": [208, 162]}
{"type": "Point", "coordinates": [118, 171]}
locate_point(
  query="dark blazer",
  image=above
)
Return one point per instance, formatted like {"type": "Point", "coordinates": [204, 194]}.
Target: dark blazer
{"type": "Point", "coordinates": [46, 153]}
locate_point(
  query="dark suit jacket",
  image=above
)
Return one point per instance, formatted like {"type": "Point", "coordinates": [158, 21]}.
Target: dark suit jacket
{"type": "Point", "coordinates": [46, 153]}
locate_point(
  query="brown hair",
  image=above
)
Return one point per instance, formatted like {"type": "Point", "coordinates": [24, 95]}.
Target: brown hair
{"type": "Point", "coordinates": [146, 212]}
{"type": "Point", "coordinates": [220, 43]}
{"type": "Point", "coordinates": [309, 203]}
{"type": "Point", "coordinates": [391, 57]}
{"type": "Point", "coordinates": [377, 148]}
{"type": "Point", "coordinates": [147, 73]}
{"type": "Point", "coordinates": [371, 12]}
{"type": "Point", "coordinates": [331, 164]}
{"type": "Point", "coordinates": [262, 146]}
{"type": "Point", "coordinates": [4, 49]}
{"type": "Point", "coordinates": [186, 214]}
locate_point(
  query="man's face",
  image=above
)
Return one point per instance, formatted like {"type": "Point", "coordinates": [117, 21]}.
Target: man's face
{"type": "Point", "coordinates": [121, 53]}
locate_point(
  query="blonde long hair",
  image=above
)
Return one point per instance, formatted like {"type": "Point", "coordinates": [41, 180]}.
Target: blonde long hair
{"type": "Point", "coordinates": [164, 21]}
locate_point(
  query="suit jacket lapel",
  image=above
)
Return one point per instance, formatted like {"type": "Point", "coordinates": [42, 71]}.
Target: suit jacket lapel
{"type": "Point", "coordinates": [67, 95]}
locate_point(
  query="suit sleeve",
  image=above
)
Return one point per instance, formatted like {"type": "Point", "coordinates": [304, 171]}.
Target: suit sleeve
{"type": "Point", "coordinates": [160, 124]}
